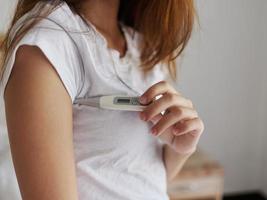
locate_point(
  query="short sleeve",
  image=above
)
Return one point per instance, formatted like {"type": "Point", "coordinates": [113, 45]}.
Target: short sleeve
{"type": "Point", "coordinates": [59, 49]}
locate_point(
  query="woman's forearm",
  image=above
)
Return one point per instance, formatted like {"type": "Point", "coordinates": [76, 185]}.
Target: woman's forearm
{"type": "Point", "coordinates": [173, 162]}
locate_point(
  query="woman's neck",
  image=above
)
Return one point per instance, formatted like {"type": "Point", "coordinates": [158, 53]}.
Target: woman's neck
{"type": "Point", "coordinates": [103, 14]}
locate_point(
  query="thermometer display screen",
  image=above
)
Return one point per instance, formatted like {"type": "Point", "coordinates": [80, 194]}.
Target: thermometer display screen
{"type": "Point", "coordinates": [127, 101]}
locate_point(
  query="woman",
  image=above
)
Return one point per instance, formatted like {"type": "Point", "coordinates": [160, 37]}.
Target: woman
{"type": "Point", "coordinates": [58, 51]}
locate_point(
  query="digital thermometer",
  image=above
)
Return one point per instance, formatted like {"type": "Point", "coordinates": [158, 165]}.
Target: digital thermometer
{"type": "Point", "coordinates": [113, 102]}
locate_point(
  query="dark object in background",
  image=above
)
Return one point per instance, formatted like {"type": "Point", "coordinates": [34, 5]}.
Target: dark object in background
{"type": "Point", "coordinates": [246, 196]}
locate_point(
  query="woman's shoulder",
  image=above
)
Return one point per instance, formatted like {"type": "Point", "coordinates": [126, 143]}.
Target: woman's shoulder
{"type": "Point", "coordinates": [52, 35]}
{"type": "Point", "coordinates": [49, 20]}
{"type": "Point", "coordinates": [62, 17]}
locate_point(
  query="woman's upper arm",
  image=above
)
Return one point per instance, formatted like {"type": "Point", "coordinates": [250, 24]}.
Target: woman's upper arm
{"type": "Point", "coordinates": [39, 122]}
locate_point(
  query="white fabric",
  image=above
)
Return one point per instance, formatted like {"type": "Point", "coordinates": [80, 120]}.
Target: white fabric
{"type": "Point", "coordinates": [116, 156]}
{"type": "Point", "coordinates": [8, 184]}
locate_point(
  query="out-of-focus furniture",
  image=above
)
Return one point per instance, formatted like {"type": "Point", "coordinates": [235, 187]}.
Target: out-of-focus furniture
{"type": "Point", "coordinates": [200, 178]}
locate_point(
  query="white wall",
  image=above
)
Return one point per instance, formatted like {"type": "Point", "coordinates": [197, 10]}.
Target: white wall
{"type": "Point", "coordinates": [264, 100]}
{"type": "Point", "coordinates": [223, 73]}
{"type": "Point", "coordinates": [5, 10]}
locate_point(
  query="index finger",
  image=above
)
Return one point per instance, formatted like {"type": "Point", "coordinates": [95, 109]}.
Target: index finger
{"type": "Point", "coordinates": [157, 89]}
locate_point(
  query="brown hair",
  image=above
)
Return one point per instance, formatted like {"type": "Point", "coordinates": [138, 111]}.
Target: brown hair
{"type": "Point", "coordinates": [165, 25]}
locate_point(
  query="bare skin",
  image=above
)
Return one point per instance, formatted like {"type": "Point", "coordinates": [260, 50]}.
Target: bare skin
{"type": "Point", "coordinates": [179, 128]}
{"type": "Point", "coordinates": [40, 127]}
{"type": "Point", "coordinates": [103, 14]}
{"type": "Point", "coordinates": [39, 122]}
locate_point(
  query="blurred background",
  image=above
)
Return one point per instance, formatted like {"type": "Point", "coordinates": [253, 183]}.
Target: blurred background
{"type": "Point", "coordinates": [224, 72]}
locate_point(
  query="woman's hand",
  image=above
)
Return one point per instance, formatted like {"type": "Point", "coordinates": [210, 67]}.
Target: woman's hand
{"type": "Point", "coordinates": [180, 126]}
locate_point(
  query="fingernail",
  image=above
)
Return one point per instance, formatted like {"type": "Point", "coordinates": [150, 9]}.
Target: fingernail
{"type": "Point", "coordinates": [176, 130]}
{"type": "Point", "coordinates": [142, 116]}
{"type": "Point", "coordinates": [142, 99]}
{"type": "Point", "coordinates": [194, 132]}
{"type": "Point", "coordinates": [154, 131]}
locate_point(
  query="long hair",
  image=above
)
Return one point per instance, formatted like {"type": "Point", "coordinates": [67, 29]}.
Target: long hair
{"type": "Point", "coordinates": [165, 25]}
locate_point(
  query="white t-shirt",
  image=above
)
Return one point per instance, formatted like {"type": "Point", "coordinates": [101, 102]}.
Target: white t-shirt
{"type": "Point", "coordinates": [116, 156]}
